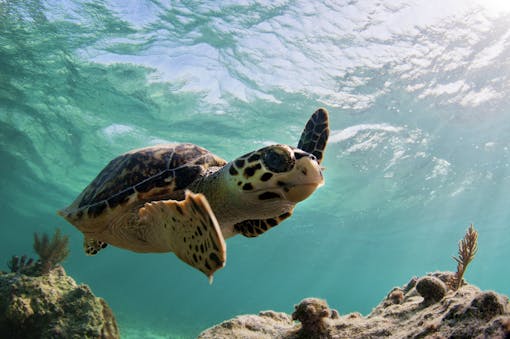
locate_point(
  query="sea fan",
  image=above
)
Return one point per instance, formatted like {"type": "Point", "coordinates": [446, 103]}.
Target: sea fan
{"type": "Point", "coordinates": [21, 265]}
{"type": "Point", "coordinates": [467, 249]}
{"type": "Point", "coordinates": [51, 252]}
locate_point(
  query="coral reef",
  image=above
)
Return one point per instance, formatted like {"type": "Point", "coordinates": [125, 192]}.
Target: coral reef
{"type": "Point", "coordinates": [51, 252]}
{"type": "Point", "coordinates": [466, 312]}
{"type": "Point", "coordinates": [52, 306]}
{"type": "Point", "coordinates": [38, 299]}
{"type": "Point", "coordinates": [439, 304]}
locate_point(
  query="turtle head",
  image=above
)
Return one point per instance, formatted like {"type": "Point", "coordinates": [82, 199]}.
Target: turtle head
{"type": "Point", "coordinates": [277, 173]}
{"type": "Point", "coordinates": [270, 181]}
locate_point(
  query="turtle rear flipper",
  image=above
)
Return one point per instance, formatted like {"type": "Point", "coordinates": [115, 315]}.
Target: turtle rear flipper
{"type": "Point", "coordinates": [92, 246]}
{"type": "Point", "coordinates": [315, 135]}
{"type": "Point", "coordinates": [191, 229]}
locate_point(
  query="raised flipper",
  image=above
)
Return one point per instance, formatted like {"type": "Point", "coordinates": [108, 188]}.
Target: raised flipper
{"type": "Point", "coordinates": [315, 135]}
{"type": "Point", "coordinates": [191, 229]}
{"type": "Point", "coordinates": [92, 246]}
{"type": "Point", "coordinates": [254, 228]}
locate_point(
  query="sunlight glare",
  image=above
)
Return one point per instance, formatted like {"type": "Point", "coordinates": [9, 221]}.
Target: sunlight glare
{"type": "Point", "coordinates": [495, 6]}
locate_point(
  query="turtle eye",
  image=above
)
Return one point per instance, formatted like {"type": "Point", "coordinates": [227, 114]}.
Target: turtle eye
{"type": "Point", "coordinates": [278, 160]}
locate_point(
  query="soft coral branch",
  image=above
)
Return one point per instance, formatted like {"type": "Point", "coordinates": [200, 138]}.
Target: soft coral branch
{"type": "Point", "coordinates": [51, 252]}
{"type": "Point", "coordinates": [467, 249]}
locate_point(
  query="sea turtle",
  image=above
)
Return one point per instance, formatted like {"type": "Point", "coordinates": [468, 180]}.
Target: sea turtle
{"type": "Point", "coordinates": [181, 198]}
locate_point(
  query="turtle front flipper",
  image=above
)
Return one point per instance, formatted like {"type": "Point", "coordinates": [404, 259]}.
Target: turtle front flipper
{"type": "Point", "coordinates": [254, 228]}
{"type": "Point", "coordinates": [315, 135]}
{"type": "Point", "coordinates": [190, 228]}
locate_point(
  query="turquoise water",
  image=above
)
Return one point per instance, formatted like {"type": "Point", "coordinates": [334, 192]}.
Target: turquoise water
{"type": "Point", "coordinates": [418, 93]}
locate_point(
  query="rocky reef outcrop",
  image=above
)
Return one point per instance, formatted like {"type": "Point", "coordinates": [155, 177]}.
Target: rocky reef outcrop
{"type": "Point", "coordinates": [52, 305]}
{"type": "Point", "coordinates": [425, 307]}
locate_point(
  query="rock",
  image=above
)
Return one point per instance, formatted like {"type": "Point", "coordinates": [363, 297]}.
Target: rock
{"type": "Point", "coordinates": [266, 325]}
{"type": "Point", "coordinates": [410, 284]}
{"type": "Point", "coordinates": [52, 306]}
{"type": "Point", "coordinates": [488, 305]}
{"type": "Point", "coordinates": [312, 313]}
{"type": "Point", "coordinates": [396, 296]}
{"type": "Point", "coordinates": [465, 313]}
{"type": "Point", "coordinates": [431, 289]}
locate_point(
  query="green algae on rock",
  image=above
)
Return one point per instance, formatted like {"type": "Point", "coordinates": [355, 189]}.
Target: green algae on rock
{"type": "Point", "coordinates": [52, 305]}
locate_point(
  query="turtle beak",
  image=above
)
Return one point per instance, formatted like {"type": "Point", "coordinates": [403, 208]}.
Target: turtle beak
{"type": "Point", "coordinates": [309, 177]}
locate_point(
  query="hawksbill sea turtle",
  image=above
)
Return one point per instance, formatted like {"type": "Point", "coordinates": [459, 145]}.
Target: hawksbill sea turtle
{"type": "Point", "coordinates": [181, 198]}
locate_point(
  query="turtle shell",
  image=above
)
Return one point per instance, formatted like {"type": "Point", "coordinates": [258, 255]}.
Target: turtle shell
{"type": "Point", "coordinates": [141, 175]}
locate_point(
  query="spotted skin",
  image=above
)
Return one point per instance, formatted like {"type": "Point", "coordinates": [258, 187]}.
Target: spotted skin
{"type": "Point", "coordinates": [181, 198]}
{"type": "Point", "coordinates": [250, 170]}
{"type": "Point", "coordinates": [254, 171]}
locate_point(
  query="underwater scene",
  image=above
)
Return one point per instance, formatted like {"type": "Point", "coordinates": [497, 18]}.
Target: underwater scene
{"type": "Point", "coordinates": [418, 95]}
